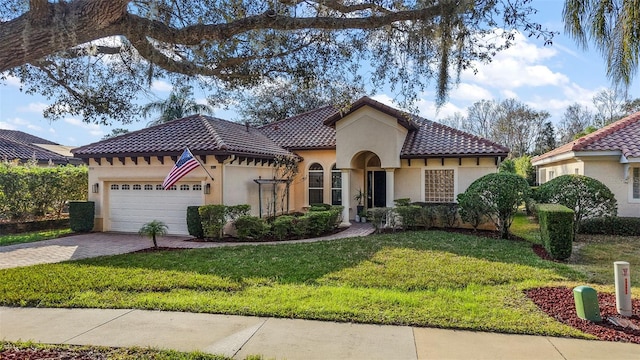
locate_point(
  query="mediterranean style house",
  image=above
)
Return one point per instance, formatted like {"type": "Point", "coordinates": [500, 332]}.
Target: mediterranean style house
{"type": "Point", "coordinates": [610, 155]}
{"type": "Point", "coordinates": [371, 148]}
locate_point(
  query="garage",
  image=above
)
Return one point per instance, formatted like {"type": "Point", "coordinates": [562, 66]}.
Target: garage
{"type": "Point", "coordinates": [132, 204]}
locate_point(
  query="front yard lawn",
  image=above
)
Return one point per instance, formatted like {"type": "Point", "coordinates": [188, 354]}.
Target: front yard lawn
{"type": "Point", "coordinates": [32, 236]}
{"type": "Point", "coordinates": [430, 278]}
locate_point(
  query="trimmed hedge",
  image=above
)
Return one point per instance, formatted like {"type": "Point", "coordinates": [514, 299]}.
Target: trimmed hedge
{"type": "Point", "coordinates": [213, 219]}
{"type": "Point", "coordinates": [611, 225]}
{"type": "Point", "coordinates": [556, 229]}
{"type": "Point", "coordinates": [194, 223]}
{"type": "Point", "coordinates": [81, 215]}
{"type": "Point", "coordinates": [251, 227]}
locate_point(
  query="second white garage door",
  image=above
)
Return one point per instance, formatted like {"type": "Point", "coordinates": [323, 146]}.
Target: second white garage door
{"type": "Point", "coordinates": [133, 204]}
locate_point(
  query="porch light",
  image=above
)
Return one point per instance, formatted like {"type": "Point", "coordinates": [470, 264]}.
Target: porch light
{"type": "Point", "coordinates": [207, 188]}
{"type": "Point", "coordinates": [95, 187]}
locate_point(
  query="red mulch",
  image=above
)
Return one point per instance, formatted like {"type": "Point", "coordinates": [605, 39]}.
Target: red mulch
{"type": "Point", "coordinates": [558, 303]}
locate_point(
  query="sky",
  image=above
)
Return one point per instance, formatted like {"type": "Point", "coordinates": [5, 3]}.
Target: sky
{"type": "Point", "coordinates": [546, 78]}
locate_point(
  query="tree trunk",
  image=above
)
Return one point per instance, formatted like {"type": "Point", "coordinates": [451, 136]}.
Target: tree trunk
{"type": "Point", "coordinates": [52, 27]}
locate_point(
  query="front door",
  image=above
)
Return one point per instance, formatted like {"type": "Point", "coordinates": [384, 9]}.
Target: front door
{"type": "Point", "coordinates": [376, 189]}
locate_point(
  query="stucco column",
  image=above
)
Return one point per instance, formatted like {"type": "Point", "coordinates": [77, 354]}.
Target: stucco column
{"type": "Point", "coordinates": [346, 196]}
{"type": "Point", "coordinates": [390, 187]}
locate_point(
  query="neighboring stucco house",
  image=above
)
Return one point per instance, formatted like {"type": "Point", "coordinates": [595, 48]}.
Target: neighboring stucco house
{"type": "Point", "coordinates": [610, 155]}
{"type": "Point", "coordinates": [18, 145]}
{"type": "Point", "coordinates": [387, 153]}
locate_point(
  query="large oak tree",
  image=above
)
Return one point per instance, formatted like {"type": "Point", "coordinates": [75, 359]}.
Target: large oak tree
{"type": "Point", "coordinates": [93, 57]}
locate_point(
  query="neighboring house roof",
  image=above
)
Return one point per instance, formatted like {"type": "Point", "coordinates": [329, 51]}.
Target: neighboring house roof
{"type": "Point", "coordinates": [315, 130]}
{"type": "Point", "coordinates": [25, 147]}
{"type": "Point", "coordinates": [622, 136]}
{"type": "Point", "coordinates": [203, 135]}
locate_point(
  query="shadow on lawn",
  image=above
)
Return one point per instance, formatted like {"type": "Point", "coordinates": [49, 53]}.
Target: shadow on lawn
{"type": "Point", "coordinates": [309, 262]}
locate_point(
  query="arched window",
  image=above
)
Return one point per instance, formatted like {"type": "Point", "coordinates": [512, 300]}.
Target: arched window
{"type": "Point", "coordinates": [336, 186]}
{"type": "Point", "coordinates": [316, 181]}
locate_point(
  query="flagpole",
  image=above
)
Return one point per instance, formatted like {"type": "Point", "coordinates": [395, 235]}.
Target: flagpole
{"type": "Point", "coordinates": [203, 167]}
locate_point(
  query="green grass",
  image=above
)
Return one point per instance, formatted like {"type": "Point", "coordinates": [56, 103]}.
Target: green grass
{"type": "Point", "coordinates": [131, 353]}
{"type": "Point", "coordinates": [524, 227]}
{"type": "Point", "coordinates": [32, 236]}
{"type": "Point", "coordinates": [416, 278]}
{"type": "Point", "coordinates": [595, 255]}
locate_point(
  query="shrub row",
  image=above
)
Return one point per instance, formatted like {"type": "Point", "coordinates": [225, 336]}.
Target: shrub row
{"type": "Point", "coordinates": [208, 221]}
{"type": "Point", "coordinates": [624, 226]}
{"type": "Point", "coordinates": [556, 229]}
{"type": "Point", "coordinates": [81, 215]}
{"type": "Point", "coordinates": [28, 191]}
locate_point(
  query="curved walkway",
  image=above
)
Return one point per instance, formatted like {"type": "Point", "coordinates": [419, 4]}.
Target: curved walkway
{"type": "Point", "coordinates": [102, 244]}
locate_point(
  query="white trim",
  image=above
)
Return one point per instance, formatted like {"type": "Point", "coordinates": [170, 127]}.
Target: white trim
{"type": "Point", "coordinates": [630, 195]}
{"type": "Point", "coordinates": [569, 155]}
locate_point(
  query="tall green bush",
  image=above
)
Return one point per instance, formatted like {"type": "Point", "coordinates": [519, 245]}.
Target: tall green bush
{"type": "Point", "coordinates": [213, 218]}
{"type": "Point", "coordinates": [194, 223]}
{"type": "Point", "coordinates": [31, 191]}
{"type": "Point", "coordinates": [472, 209]}
{"type": "Point", "coordinates": [556, 229]}
{"type": "Point", "coordinates": [587, 197]}
{"type": "Point", "coordinates": [81, 215]}
{"type": "Point", "coordinates": [500, 194]}
{"type": "Point", "coordinates": [525, 169]}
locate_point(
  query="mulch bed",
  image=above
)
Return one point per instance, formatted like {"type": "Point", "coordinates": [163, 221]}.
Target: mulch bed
{"type": "Point", "coordinates": [558, 303]}
{"type": "Point", "coordinates": [13, 353]}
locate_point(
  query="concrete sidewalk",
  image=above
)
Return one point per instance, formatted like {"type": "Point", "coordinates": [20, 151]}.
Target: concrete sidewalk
{"type": "Point", "coordinates": [239, 336]}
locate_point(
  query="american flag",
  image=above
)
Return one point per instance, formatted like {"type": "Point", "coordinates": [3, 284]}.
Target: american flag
{"type": "Point", "coordinates": [183, 166]}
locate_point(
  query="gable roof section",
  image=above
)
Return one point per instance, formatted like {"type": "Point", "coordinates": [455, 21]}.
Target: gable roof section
{"type": "Point", "coordinates": [304, 131]}
{"type": "Point", "coordinates": [437, 140]}
{"type": "Point", "coordinates": [315, 130]}
{"type": "Point", "coordinates": [203, 135]}
{"type": "Point", "coordinates": [622, 135]}
{"type": "Point", "coordinates": [24, 147]}
{"type": "Point", "coordinates": [403, 118]}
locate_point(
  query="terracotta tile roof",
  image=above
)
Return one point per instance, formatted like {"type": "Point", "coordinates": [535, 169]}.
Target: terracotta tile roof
{"type": "Point", "coordinates": [304, 131]}
{"type": "Point", "coordinates": [203, 135]}
{"type": "Point", "coordinates": [622, 135]}
{"type": "Point", "coordinates": [434, 139]}
{"type": "Point", "coordinates": [314, 130]}
{"type": "Point", "coordinates": [21, 146]}
{"type": "Point", "coordinates": [23, 137]}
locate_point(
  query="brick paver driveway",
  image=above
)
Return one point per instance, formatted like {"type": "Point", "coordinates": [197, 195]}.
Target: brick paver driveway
{"type": "Point", "coordinates": [100, 244]}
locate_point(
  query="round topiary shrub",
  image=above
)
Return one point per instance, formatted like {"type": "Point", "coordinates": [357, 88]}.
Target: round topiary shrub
{"type": "Point", "coordinates": [587, 197]}
{"type": "Point", "coordinates": [500, 195]}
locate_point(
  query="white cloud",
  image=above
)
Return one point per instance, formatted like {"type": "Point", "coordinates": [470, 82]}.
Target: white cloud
{"type": "Point", "coordinates": [12, 81]}
{"type": "Point", "coordinates": [93, 129]}
{"type": "Point", "coordinates": [7, 126]}
{"type": "Point", "coordinates": [32, 108]}
{"type": "Point", "coordinates": [470, 92]}
{"type": "Point", "coordinates": [161, 85]}
{"type": "Point", "coordinates": [519, 66]}
{"type": "Point", "coordinates": [508, 94]}
{"type": "Point", "coordinates": [429, 110]}
{"type": "Point", "coordinates": [19, 124]}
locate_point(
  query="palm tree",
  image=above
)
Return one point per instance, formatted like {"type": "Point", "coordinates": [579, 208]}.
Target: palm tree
{"type": "Point", "coordinates": [614, 27]}
{"type": "Point", "coordinates": [179, 104]}
{"type": "Point", "coordinates": [153, 229]}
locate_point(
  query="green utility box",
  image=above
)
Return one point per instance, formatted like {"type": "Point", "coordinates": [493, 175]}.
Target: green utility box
{"type": "Point", "coordinates": [587, 306]}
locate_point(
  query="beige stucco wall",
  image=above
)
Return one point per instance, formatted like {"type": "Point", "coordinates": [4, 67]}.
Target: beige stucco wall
{"type": "Point", "coordinates": [607, 170]}
{"type": "Point", "coordinates": [240, 187]}
{"type": "Point", "coordinates": [369, 130]}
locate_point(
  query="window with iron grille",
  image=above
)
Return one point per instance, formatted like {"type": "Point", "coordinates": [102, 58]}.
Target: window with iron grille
{"type": "Point", "coordinates": [439, 186]}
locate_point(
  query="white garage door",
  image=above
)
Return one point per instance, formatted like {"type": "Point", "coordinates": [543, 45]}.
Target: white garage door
{"type": "Point", "coordinates": [132, 204]}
